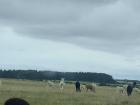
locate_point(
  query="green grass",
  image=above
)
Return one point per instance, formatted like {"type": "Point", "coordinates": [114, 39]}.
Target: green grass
{"type": "Point", "coordinates": [38, 93]}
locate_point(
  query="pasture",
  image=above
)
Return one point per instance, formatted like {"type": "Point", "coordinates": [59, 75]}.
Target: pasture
{"type": "Point", "coordinates": [38, 93]}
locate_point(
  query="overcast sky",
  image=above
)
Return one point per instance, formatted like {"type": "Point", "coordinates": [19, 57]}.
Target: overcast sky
{"type": "Point", "coordinates": [71, 35]}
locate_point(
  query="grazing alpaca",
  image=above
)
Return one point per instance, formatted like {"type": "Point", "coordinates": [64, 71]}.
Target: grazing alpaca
{"type": "Point", "coordinates": [51, 84]}
{"type": "Point", "coordinates": [137, 90]}
{"type": "Point", "coordinates": [91, 87]}
{"type": "Point", "coordinates": [122, 90]}
{"type": "Point", "coordinates": [83, 88]}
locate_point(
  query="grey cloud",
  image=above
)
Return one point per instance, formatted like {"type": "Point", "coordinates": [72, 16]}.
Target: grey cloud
{"type": "Point", "coordinates": [45, 11]}
{"type": "Point", "coordinates": [108, 25]}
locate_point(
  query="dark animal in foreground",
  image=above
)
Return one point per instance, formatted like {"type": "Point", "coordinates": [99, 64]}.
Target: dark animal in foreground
{"type": "Point", "coordinates": [77, 85]}
{"type": "Point", "coordinates": [130, 88]}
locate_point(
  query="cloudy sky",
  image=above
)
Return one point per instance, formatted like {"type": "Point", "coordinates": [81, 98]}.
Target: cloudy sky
{"type": "Point", "coordinates": [71, 35]}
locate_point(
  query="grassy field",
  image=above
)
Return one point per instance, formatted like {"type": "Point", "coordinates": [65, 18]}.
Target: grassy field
{"type": "Point", "coordinates": [38, 93]}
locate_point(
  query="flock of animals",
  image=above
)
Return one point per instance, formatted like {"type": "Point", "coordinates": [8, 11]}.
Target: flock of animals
{"type": "Point", "coordinates": [86, 87]}
{"type": "Point", "coordinates": [124, 90]}
{"type": "Point", "coordinates": [128, 89]}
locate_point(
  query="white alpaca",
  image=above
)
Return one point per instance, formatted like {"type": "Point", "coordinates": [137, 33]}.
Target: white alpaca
{"type": "Point", "coordinates": [83, 87]}
{"type": "Point", "coordinates": [122, 90]}
{"type": "Point", "coordinates": [61, 84]}
{"type": "Point", "coordinates": [94, 86]}
{"type": "Point", "coordinates": [50, 83]}
{"type": "Point", "coordinates": [137, 90]}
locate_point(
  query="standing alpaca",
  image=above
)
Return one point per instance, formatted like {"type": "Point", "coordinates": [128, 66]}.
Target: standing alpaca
{"type": "Point", "coordinates": [61, 84]}
{"type": "Point", "coordinates": [77, 86]}
{"type": "Point", "coordinates": [130, 88]}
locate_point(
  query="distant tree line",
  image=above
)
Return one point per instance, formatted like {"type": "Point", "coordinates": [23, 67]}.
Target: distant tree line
{"type": "Point", "coordinates": [52, 75]}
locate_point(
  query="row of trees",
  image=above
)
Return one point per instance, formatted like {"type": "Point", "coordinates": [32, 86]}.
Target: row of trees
{"type": "Point", "coordinates": [52, 75]}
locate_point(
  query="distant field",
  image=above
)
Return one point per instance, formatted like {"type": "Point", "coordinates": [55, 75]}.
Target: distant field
{"type": "Point", "coordinates": [38, 93]}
